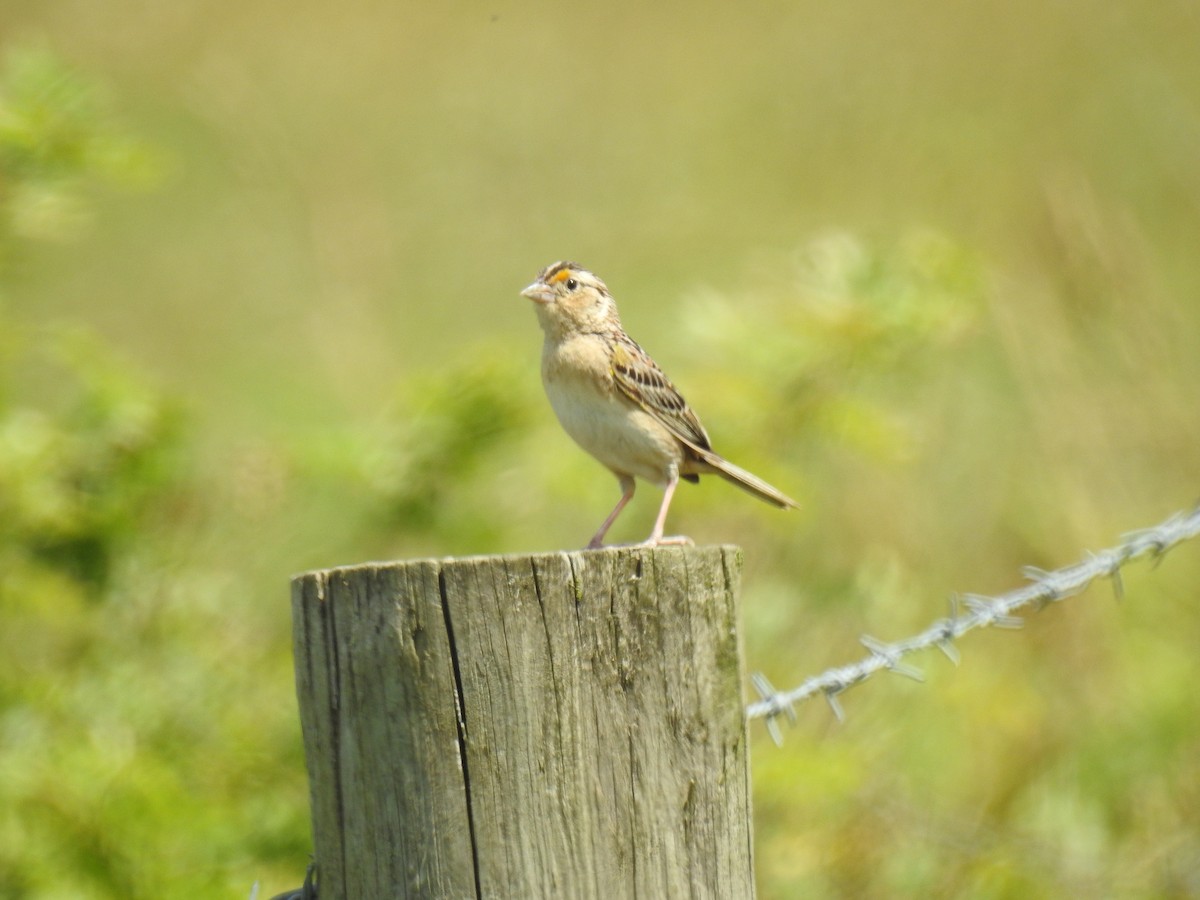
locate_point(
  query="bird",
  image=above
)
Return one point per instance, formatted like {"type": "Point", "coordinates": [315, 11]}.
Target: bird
{"type": "Point", "coordinates": [616, 403]}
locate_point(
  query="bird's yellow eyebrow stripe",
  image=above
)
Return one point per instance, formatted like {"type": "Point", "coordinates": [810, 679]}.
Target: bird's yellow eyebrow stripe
{"type": "Point", "coordinates": [561, 275]}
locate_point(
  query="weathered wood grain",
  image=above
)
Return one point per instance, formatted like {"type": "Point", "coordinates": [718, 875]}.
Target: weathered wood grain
{"type": "Point", "coordinates": [557, 725]}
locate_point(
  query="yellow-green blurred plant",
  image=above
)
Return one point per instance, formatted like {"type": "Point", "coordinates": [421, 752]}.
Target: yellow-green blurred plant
{"type": "Point", "coordinates": [428, 472]}
{"type": "Point", "coordinates": [80, 463]}
{"type": "Point", "coordinates": [83, 441]}
{"type": "Point", "coordinates": [88, 469]}
{"type": "Point", "coordinates": [823, 334]}
{"type": "Point", "coordinates": [58, 142]}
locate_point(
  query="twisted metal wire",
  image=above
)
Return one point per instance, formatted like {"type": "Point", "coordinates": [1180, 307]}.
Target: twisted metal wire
{"type": "Point", "coordinates": [1045, 587]}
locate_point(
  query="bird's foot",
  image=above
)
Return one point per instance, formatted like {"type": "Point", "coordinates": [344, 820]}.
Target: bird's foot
{"type": "Point", "coordinates": [673, 540]}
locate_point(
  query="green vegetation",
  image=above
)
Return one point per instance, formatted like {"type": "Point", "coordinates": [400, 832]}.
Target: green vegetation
{"type": "Point", "coordinates": [933, 274]}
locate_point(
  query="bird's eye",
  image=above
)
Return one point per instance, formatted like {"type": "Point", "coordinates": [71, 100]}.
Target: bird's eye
{"type": "Point", "coordinates": [572, 284]}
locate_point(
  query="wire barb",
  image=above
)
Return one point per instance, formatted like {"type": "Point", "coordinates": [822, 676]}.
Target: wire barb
{"type": "Point", "coordinates": [890, 654]}
{"type": "Point", "coordinates": [1044, 587]}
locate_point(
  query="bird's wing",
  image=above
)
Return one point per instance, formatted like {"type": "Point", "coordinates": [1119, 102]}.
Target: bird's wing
{"type": "Point", "coordinates": [642, 381]}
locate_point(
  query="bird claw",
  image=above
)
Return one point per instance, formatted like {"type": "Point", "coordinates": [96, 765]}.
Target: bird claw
{"type": "Point", "coordinates": [676, 540]}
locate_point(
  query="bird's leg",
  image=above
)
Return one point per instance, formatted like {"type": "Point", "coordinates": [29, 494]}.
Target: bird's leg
{"type": "Point", "coordinates": [656, 536]}
{"type": "Point", "coordinates": [627, 486]}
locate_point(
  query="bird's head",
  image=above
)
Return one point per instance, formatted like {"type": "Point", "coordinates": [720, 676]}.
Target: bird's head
{"type": "Point", "coordinates": [571, 299]}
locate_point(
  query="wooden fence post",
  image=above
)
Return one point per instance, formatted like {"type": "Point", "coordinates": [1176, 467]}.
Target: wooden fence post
{"type": "Point", "coordinates": [558, 725]}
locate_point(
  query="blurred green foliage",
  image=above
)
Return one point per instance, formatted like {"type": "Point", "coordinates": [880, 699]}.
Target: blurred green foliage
{"type": "Point", "coordinates": [83, 442]}
{"type": "Point", "coordinates": [931, 273]}
{"type": "Point", "coordinates": [57, 143]}
{"type": "Point", "coordinates": [80, 472]}
{"type": "Point", "coordinates": [87, 467]}
{"type": "Point", "coordinates": [822, 333]}
{"type": "Point", "coordinates": [444, 427]}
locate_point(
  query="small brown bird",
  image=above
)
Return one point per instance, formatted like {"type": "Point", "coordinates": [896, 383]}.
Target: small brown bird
{"type": "Point", "coordinates": [615, 401]}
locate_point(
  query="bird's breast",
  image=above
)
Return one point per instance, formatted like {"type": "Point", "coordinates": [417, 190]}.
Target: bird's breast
{"type": "Point", "coordinates": [599, 417]}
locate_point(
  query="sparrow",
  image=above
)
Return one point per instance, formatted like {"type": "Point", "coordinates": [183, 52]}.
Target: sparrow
{"type": "Point", "coordinates": [617, 404]}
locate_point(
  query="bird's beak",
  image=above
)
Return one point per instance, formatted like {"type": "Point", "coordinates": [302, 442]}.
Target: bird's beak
{"type": "Point", "coordinates": [538, 292]}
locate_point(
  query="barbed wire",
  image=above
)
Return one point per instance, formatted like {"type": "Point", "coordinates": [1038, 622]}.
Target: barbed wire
{"type": "Point", "coordinates": [1045, 587]}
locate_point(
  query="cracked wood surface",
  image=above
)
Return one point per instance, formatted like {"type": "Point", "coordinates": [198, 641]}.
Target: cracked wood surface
{"type": "Point", "coordinates": [551, 725]}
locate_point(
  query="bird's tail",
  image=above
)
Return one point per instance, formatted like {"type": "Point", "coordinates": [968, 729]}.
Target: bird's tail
{"type": "Point", "coordinates": [748, 482]}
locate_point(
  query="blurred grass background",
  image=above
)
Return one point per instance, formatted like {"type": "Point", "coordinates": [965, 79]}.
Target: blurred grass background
{"type": "Point", "coordinates": [932, 271]}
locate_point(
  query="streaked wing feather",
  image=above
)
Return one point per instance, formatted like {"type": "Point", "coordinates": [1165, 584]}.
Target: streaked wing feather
{"type": "Point", "coordinates": [639, 378]}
